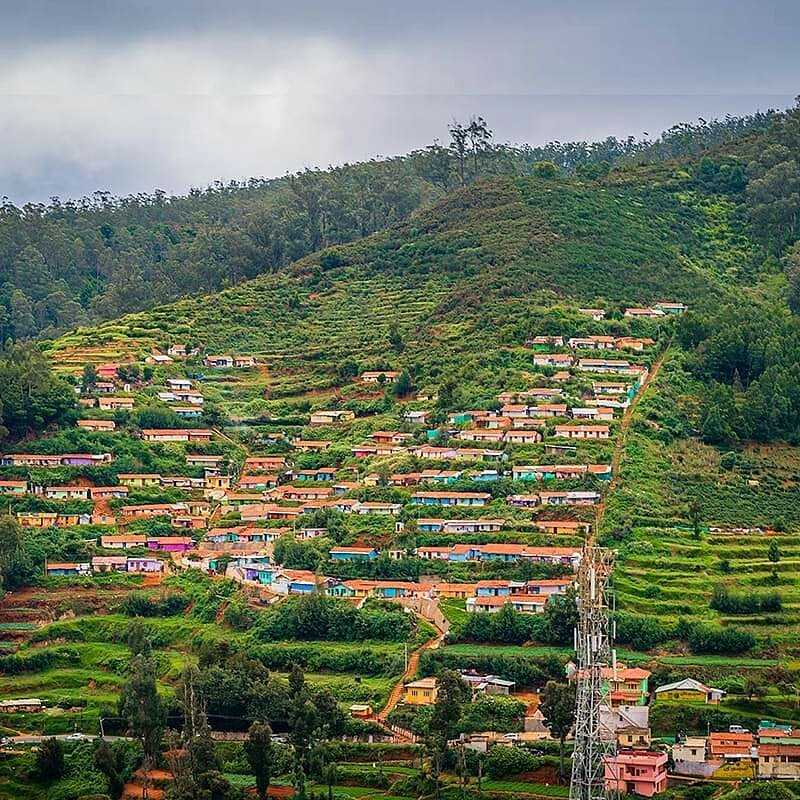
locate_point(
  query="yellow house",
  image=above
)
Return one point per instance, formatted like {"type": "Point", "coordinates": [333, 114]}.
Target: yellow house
{"type": "Point", "coordinates": [689, 691]}
{"type": "Point", "coordinates": [136, 480]}
{"type": "Point", "coordinates": [421, 693]}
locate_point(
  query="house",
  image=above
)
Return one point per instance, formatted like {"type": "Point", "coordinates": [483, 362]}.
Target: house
{"type": "Point", "coordinates": [545, 410]}
{"type": "Point", "coordinates": [188, 412]}
{"type": "Point", "coordinates": [321, 474]}
{"type": "Point", "coordinates": [105, 387]}
{"type": "Point", "coordinates": [138, 480]}
{"type": "Point", "coordinates": [150, 510]}
{"type": "Point", "coordinates": [13, 487]}
{"type": "Point", "coordinates": [523, 500]}
{"type": "Point", "coordinates": [626, 685]}
{"type": "Point", "coordinates": [37, 519]}
{"type": "Point", "coordinates": [27, 705]}
{"type": "Point", "coordinates": [583, 431]}
{"type": "Point", "coordinates": [300, 493]}
{"type": "Point", "coordinates": [486, 684]}
{"type": "Point", "coordinates": [258, 483]}
{"type": "Point", "coordinates": [545, 341]}
{"type": "Point", "coordinates": [145, 564]}
{"type": "Point", "coordinates": [259, 511]}
{"type": "Point", "coordinates": [170, 544]}
{"type": "Point", "coordinates": [416, 417]}
{"type": "Point", "coordinates": [379, 376]}
{"type": "Point", "coordinates": [569, 498]}
{"type": "Point", "coordinates": [264, 464]}
{"type": "Point", "coordinates": [632, 343]}
{"type": "Point", "coordinates": [361, 710]}
{"type": "Point", "coordinates": [591, 342]}
{"type": "Point", "coordinates": [343, 553]}
{"type": "Point", "coordinates": [97, 424]}
{"type": "Point", "coordinates": [331, 417]}
{"type": "Point", "coordinates": [63, 460]}
{"type": "Point", "coordinates": [636, 772]}
{"type": "Point", "coordinates": [552, 360]}
{"type": "Point", "coordinates": [451, 498]}
{"type": "Point", "coordinates": [593, 413]}
{"type": "Point", "coordinates": [779, 761]}
{"type": "Point", "coordinates": [460, 525]}
{"type": "Point", "coordinates": [523, 603]}
{"type": "Point", "coordinates": [689, 691]}
{"type": "Point", "coordinates": [481, 435]}
{"type": "Point", "coordinates": [66, 492]}
{"type": "Point", "coordinates": [115, 403]}
{"type": "Point", "coordinates": [629, 725]}
{"type": "Point", "coordinates": [64, 569]}
{"type": "Point", "coordinates": [202, 460]}
{"type": "Point", "coordinates": [108, 492]}
{"type": "Point", "coordinates": [109, 564]}
{"type": "Point", "coordinates": [177, 351]}
{"type": "Point", "coordinates": [179, 384]}
{"type": "Point", "coordinates": [177, 435]}
{"type": "Point", "coordinates": [549, 472]}
{"type": "Point", "coordinates": [644, 312]}
{"type": "Point", "coordinates": [455, 591]}
{"type": "Point", "coordinates": [390, 437]}
{"type": "Point", "coordinates": [689, 754]}
{"type": "Point", "coordinates": [375, 507]}
{"type": "Point", "coordinates": [603, 365]}
{"type": "Point", "coordinates": [123, 541]}
{"type": "Point", "coordinates": [158, 359]}
{"type": "Point", "coordinates": [558, 526]}
{"type": "Point", "coordinates": [244, 362]}
{"type": "Point", "coordinates": [522, 437]}
{"type": "Point", "coordinates": [548, 586]}
{"type": "Point", "coordinates": [218, 362]}
{"type": "Point", "coordinates": [731, 745]}
{"type": "Point", "coordinates": [671, 308]}
{"type": "Point", "coordinates": [311, 445]}
{"type": "Point", "coordinates": [594, 313]}
{"type": "Point", "coordinates": [107, 371]}
{"type": "Point", "coordinates": [421, 692]}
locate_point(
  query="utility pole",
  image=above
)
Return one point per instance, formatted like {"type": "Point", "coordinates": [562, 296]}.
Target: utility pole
{"type": "Point", "coordinates": [594, 655]}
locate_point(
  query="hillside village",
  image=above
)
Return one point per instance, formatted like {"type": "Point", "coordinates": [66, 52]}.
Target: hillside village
{"type": "Point", "coordinates": [455, 519]}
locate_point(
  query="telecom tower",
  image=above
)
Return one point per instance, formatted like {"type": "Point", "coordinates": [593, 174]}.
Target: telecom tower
{"type": "Point", "coordinates": [593, 636]}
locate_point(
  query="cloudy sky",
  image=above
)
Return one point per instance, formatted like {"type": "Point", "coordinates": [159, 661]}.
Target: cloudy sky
{"type": "Point", "coordinates": [131, 95]}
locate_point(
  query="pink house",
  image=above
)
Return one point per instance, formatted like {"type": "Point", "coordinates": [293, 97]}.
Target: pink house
{"type": "Point", "coordinates": [637, 772]}
{"type": "Point", "coordinates": [170, 544]}
{"type": "Point", "coordinates": [144, 564]}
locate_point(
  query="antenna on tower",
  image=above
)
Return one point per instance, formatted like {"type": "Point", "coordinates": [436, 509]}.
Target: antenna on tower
{"type": "Point", "coordinates": [594, 745]}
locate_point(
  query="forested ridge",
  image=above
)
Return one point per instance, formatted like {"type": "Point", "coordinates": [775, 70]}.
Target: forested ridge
{"type": "Point", "coordinates": [68, 263]}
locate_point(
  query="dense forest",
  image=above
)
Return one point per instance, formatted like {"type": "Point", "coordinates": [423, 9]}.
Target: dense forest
{"type": "Point", "coordinates": [70, 262]}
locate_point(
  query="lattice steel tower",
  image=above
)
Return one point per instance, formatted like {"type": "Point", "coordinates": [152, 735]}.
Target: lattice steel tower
{"type": "Point", "coordinates": [594, 655]}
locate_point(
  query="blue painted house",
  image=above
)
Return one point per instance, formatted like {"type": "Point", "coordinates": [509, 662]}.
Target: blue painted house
{"type": "Point", "coordinates": [353, 553]}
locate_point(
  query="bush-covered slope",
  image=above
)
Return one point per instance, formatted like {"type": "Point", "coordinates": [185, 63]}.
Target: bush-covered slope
{"type": "Point", "coordinates": [473, 272]}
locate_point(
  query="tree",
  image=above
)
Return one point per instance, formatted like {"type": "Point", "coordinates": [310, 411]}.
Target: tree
{"type": "Point", "coordinates": [695, 515]}
{"type": "Point", "coordinates": [774, 551]}
{"type": "Point", "coordinates": [105, 760]}
{"type": "Point", "coordinates": [403, 387]}
{"type": "Point", "coordinates": [545, 169]}
{"type": "Point", "coordinates": [479, 137]}
{"type": "Point", "coordinates": [752, 687]}
{"type": "Point", "coordinates": [50, 759]}
{"type": "Point", "coordinates": [140, 705]}
{"type": "Point", "coordinates": [259, 752]}
{"type": "Point", "coordinates": [459, 135]}
{"type": "Point", "coordinates": [10, 544]}
{"type": "Point", "coordinates": [561, 617]}
{"type": "Point", "coordinates": [452, 692]}
{"type": "Point", "coordinates": [89, 379]}
{"type": "Point", "coordinates": [558, 709]}
{"type": "Point", "coordinates": [31, 395]}
{"type": "Point", "coordinates": [396, 339]}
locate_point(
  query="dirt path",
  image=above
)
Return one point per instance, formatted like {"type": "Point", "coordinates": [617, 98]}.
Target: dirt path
{"type": "Point", "coordinates": [411, 670]}
{"type": "Point", "coordinates": [619, 446]}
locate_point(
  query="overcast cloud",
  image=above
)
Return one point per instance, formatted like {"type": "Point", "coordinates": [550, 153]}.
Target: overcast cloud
{"type": "Point", "coordinates": [131, 95]}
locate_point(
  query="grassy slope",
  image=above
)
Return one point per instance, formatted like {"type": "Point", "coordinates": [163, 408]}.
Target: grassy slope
{"type": "Point", "coordinates": [457, 280]}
